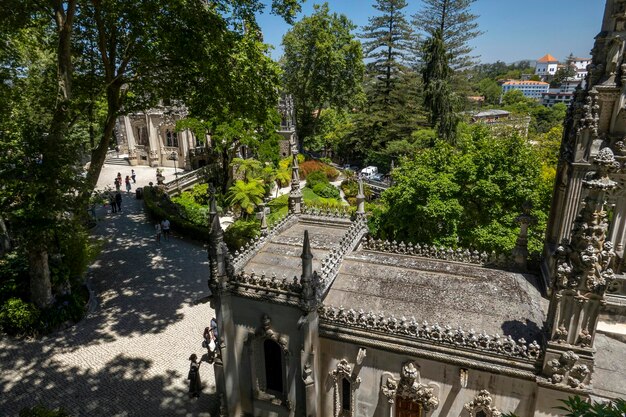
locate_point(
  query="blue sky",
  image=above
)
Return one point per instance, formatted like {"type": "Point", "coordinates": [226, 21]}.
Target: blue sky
{"type": "Point", "coordinates": [514, 29]}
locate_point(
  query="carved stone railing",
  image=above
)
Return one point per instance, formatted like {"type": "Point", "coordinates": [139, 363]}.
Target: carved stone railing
{"type": "Point", "coordinates": [444, 335]}
{"type": "Point", "coordinates": [438, 252]}
{"type": "Point", "coordinates": [244, 254]}
{"type": "Point", "coordinates": [268, 283]}
{"type": "Point", "coordinates": [326, 213]}
{"type": "Point", "coordinates": [183, 181]}
{"type": "Point", "coordinates": [332, 263]}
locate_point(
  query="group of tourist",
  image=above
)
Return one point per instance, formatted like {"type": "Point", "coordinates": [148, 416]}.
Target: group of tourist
{"type": "Point", "coordinates": [210, 341]}
{"type": "Point", "coordinates": [162, 228]}
{"type": "Point", "coordinates": [118, 181]}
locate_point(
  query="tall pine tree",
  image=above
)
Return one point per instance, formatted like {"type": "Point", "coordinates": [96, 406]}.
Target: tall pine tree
{"type": "Point", "coordinates": [439, 99]}
{"type": "Point", "coordinates": [457, 24]}
{"type": "Point", "coordinates": [390, 83]}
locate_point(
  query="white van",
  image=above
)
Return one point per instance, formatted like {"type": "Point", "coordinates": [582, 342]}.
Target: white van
{"type": "Point", "coordinates": [369, 171]}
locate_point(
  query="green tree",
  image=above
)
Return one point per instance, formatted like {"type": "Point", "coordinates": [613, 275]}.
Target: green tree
{"type": "Point", "coordinates": [333, 127]}
{"type": "Point", "coordinates": [391, 110]}
{"type": "Point", "coordinates": [491, 90]}
{"type": "Point", "coordinates": [468, 195]}
{"type": "Point", "coordinates": [245, 196]}
{"type": "Point", "coordinates": [323, 67]}
{"type": "Point", "coordinates": [457, 24]}
{"type": "Point", "coordinates": [439, 99]}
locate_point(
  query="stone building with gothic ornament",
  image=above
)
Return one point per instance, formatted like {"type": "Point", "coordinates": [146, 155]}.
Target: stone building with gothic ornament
{"type": "Point", "coordinates": [317, 318]}
{"type": "Point", "coordinates": [150, 137]}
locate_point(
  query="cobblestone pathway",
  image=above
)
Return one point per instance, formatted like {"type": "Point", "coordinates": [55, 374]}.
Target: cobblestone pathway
{"type": "Point", "coordinates": [129, 356]}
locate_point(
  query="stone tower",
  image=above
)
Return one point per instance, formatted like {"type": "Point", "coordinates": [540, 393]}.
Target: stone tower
{"type": "Point", "coordinates": [588, 209]}
{"type": "Point", "coordinates": [595, 120]}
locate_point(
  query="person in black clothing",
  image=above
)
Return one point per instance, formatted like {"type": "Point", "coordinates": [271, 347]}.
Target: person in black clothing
{"type": "Point", "coordinates": [112, 203]}
{"type": "Point", "coordinates": [118, 201]}
{"type": "Point", "coordinates": [195, 385]}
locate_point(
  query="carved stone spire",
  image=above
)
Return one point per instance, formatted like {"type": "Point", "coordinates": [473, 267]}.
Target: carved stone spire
{"type": "Point", "coordinates": [360, 199]}
{"type": "Point", "coordinates": [295, 196]}
{"type": "Point", "coordinates": [306, 280]}
{"type": "Point", "coordinates": [520, 252]}
{"type": "Point", "coordinates": [217, 247]}
{"type": "Point", "coordinates": [583, 271]}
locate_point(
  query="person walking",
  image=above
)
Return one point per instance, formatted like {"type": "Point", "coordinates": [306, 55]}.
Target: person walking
{"type": "Point", "coordinates": [165, 227]}
{"type": "Point", "coordinates": [132, 175]}
{"type": "Point", "coordinates": [118, 184]}
{"type": "Point", "coordinates": [157, 228]}
{"type": "Point", "coordinates": [112, 203]}
{"type": "Point", "coordinates": [127, 182]}
{"type": "Point", "coordinates": [195, 385]}
{"type": "Point", "coordinates": [118, 201]}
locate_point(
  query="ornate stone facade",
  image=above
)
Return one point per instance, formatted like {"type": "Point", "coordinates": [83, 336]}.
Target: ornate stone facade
{"type": "Point", "coordinates": [150, 138]}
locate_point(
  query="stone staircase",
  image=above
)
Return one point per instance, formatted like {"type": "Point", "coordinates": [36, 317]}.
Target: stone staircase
{"type": "Point", "coordinates": [113, 159]}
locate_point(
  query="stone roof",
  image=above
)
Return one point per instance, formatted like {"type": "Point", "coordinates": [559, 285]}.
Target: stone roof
{"type": "Point", "coordinates": [438, 291]}
{"type": "Point", "coordinates": [281, 254]}
{"type": "Point", "coordinates": [609, 371]}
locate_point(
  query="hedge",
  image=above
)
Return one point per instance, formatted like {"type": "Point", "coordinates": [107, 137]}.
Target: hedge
{"type": "Point", "coordinates": [159, 208]}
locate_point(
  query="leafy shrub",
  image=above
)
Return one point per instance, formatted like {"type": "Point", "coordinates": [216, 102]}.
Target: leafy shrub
{"type": "Point", "coordinates": [326, 191]}
{"type": "Point", "coordinates": [326, 160]}
{"type": "Point", "coordinates": [13, 276]}
{"type": "Point", "coordinates": [67, 308]}
{"type": "Point", "coordinates": [308, 167]}
{"type": "Point", "coordinates": [159, 208]}
{"type": "Point", "coordinates": [41, 411]}
{"type": "Point", "coordinates": [350, 189]}
{"type": "Point", "coordinates": [241, 232]}
{"type": "Point", "coordinates": [18, 317]}
{"type": "Point", "coordinates": [190, 209]}
{"type": "Point", "coordinates": [315, 178]}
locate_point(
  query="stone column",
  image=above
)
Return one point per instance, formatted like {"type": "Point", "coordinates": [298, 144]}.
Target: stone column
{"type": "Point", "coordinates": [130, 138]}
{"type": "Point", "coordinates": [154, 143]}
{"type": "Point", "coordinates": [184, 147]}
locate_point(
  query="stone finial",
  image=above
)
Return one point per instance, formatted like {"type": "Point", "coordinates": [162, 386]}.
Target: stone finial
{"type": "Point", "coordinates": [525, 220]}
{"type": "Point", "coordinates": [360, 199]}
{"type": "Point", "coordinates": [307, 257]}
{"type": "Point", "coordinates": [295, 195]}
{"type": "Point", "coordinates": [264, 227]}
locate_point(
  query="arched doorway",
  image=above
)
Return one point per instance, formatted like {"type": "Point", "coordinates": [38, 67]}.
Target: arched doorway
{"type": "Point", "coordinates": [408, 408]}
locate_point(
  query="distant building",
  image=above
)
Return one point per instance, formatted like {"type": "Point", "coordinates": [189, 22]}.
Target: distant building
{"type": "Point", "coordinates": [490, 116]}
{"type": "Point", "coordinates": [546, 66]}
{"type": "Point", "coordinates": [501, 121]}
{"type": "Point", "coordinates": [552, 98]}
{"type": "Point", "coordinates": [579, 65]}
{"type": "Point", "coordinates": [531, 89]}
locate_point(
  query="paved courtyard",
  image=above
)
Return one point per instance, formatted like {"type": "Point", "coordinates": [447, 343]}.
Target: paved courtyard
{"type": "Point", "coordinates": [128, 357]}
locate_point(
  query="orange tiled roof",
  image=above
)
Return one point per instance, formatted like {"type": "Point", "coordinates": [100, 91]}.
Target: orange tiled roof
{"type": "Point", "coordinates": [547, 58]}
{"type": "Point", "coordinates": [525, 82]}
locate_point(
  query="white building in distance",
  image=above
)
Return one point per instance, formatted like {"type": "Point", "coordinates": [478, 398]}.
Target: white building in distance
{"type": "Point", "coordinates": [579, 65]}
{"type": "Point", "coordinates": [546, 66]}
{"type": "Point", "coordinates": [531, 89]}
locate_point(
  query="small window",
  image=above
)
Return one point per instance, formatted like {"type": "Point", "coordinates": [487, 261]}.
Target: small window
{"type": "Point", "coordinates": [346, 395]}
{"type": "Point", "coordinates": [273, 366]}
{"type": "Point", "coordinates": [171, 138]}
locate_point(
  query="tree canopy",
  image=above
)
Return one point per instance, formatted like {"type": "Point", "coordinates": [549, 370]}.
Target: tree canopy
{"type": "Point", "coordinates": [323, 66]}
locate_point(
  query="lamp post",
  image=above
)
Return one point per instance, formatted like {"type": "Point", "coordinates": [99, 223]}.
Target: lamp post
{"type": "Point", "coordinates": [174, 157]}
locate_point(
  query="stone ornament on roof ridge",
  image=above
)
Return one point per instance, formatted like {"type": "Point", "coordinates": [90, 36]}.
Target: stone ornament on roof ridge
{"type": "Point", "coordinates": [446, 335]}
{"type": "Point", "coordinates": [442, 253]}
